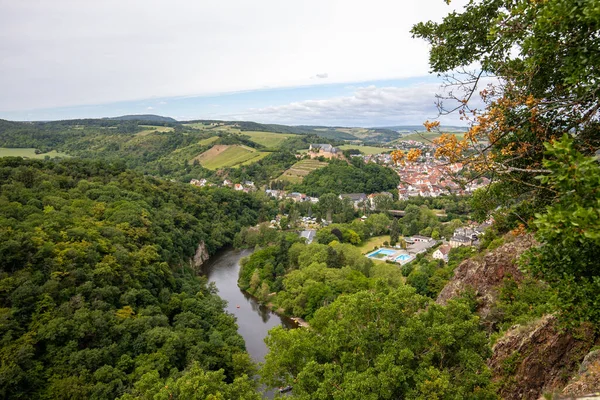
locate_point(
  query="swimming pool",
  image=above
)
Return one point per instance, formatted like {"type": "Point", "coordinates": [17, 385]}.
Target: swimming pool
{"type": "Point", "coordinates": [402, 257]}
{"type": "Point", "coordinates": [381, 253]}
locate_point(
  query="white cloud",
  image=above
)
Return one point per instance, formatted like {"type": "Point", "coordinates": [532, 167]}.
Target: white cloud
{"type": "Point", "coordinates": [367, 106]}
{"type": "Point", "coordinates": [150, 108]}
{"type": "Point", "coordinates": [324, 75]}
{"type": "Point", "coordinates": [71, 52]}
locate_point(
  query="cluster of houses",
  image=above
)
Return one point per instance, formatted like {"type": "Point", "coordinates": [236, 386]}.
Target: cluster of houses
{"type": "Point", "coordinates": [468, 235]}
{"type": "Point", "coordinates": [295, 196]}
{"type": "Point", "coordinates": [430, 179]}
{"type": "Point", "coordinates": [246, 186]}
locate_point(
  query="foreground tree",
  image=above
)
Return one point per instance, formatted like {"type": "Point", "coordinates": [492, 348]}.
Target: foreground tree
{"type": "Point", "coordinates": [538, 77]}
{"type": "Point", "coordinates": [382, 345]}
{"type": "Point", "coordinates": [538, 64]}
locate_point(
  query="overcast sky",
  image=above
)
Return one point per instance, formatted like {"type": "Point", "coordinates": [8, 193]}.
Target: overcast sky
{"type": "Point", "coordinates": [309, 61]}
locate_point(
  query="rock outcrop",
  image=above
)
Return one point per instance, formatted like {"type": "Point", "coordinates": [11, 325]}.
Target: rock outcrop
{"type": "Point", "coordinates": [587, 379]}
{"type": "Point", "coordinates": [529, 361]}
{"type": "Point", "coordinates": [200, 257]}
{"type": "Point", "coordinates": [485, 274]}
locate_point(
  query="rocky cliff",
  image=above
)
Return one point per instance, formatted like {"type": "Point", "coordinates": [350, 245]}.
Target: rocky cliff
{"type": "Point", "coordinates": [200, 257]}
{"type": "Point", "coordinates": [533, 360]}
{"type": "Point", "coordinates": [529, 361]}
{"type": "Point", "coordinates": [484, 274]}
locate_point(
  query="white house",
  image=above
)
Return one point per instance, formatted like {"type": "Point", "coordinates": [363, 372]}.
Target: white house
{"type": "Point", "coordinates": [441, 253]}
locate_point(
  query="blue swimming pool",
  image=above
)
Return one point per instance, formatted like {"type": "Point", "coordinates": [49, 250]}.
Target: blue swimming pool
{"type": "Point", "coordinates": [402, 257]}
{"type": "Point", "coordinates": [381, 253]}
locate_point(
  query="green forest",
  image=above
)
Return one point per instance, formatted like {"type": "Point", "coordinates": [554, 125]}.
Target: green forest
{"type": "Point", "coordinates": [98, 296]}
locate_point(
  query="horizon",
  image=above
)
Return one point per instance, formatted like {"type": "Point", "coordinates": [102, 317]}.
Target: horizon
{"type": "Point", "coordinates": [309, 63]}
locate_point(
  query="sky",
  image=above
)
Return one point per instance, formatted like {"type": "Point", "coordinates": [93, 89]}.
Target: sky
{"type": "Point", "coordinates": [325, 62]}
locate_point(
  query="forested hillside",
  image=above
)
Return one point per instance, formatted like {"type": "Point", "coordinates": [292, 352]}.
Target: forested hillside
{"type": "Point", "coordinates": [355, 177]}
{"type": "Point", "coordinates": [96, 292]}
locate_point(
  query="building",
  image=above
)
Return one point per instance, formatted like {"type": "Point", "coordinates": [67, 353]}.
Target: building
{"type": "Point", "coordinates": [357, 199]}
{"type": "Point", "coordinates": [459, 240]}
{"type": "Point", "coordinates": [441, 253]}
{"type": "Point", "coordinates": [324, 150]}
{"type": "Point", "coordinates": [199, 183]}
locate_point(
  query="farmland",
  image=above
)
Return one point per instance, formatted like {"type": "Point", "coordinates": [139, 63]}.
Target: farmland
{"type": "Point", "coordinates": [28, 153]}
{"type": "Point", "coordinates": [297, 172]}
{"type": "Point", "coordinates": [368, 150]}
{"type": "Point", "coordinates": [267, 139]}
{"type": "Point", "coordinates": [150, 128]}
{"type": "Point", "coordinates": [221, 156]}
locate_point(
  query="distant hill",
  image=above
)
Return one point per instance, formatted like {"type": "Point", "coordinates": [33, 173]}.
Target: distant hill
{"type": "Point", "coordinates": [145, 118]}
{"type": "Point", "coordinates": [368, 135]}
{"type": "Point", "coordinates": [408, 129]}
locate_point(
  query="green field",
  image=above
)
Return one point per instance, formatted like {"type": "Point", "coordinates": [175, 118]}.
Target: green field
{"type": "Point", "coordinates": [267, 139]}
{"type": "Point", "coordinates": [221, 156]}
{"type": "Point", "coordinates": [427, 137]}
{"type": "Point", "coordinates": [297, 172]}
{"type": "Point", "coordinates": [371, 243]}
{"type": "Point", "coordinates": [150, 128]}
{"type": "Point", "coordinates": [28, 153]}
{"type": "Point", "coordinates": [207, 141]}
{"type": "Point", "coordinates": [369, 150]}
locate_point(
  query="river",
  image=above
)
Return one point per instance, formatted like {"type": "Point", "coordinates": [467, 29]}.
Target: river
{"type": "Point", "coordinates": [253, 319]}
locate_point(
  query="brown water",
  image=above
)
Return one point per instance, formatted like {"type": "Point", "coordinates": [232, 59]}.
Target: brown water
{"type": "Point", "coordinates": [253, 319]}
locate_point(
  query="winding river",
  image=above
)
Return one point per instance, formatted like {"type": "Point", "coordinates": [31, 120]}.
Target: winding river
{"type": "Point", "coordinates": [253, 319]}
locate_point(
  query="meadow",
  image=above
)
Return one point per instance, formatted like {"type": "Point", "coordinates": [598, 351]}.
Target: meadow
{"type": "Point", "coordinates": [151, 128]}
{"type": "Point", "coordinates": [368, 150]}
{"type": "Point", "coordinates": [29, 153]}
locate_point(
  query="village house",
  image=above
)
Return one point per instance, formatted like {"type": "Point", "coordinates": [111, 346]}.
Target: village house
{"type": "Point", "coordinates": [459, 240]}
{"type": "Point", "coordinates": [357, 199]}
{"type": "Point", "coordinates": [441, 253]}
{"type": "Point", "coordinates": [238, 187]}
{"type": "Point", "coordinates": [278, 194]}
{"type": "Point", "coordinates": [199, 183]}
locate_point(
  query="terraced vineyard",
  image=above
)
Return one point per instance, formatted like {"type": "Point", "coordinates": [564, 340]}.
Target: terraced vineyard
{"type": "Point", "coordinates": [221, 156]}
{"type": "Point", "coordinates": [297, 172]}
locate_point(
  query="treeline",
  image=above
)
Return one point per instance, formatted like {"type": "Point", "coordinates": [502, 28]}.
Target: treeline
{"type": "Point", "coordinates": [98, 299]}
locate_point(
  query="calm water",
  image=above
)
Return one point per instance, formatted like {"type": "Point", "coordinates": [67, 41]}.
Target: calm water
{"type": "Point", "coordinates": [254, 320]}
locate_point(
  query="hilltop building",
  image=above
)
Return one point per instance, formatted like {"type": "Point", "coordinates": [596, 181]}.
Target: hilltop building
{"type": "Point", "coordinates": [324, 150]}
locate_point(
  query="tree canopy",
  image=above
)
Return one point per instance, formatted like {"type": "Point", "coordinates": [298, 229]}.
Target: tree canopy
{"type": "Point", "coordinates": [97, 296]}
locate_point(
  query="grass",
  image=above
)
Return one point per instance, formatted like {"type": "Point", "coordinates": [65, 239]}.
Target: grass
{"type": "Point", "coordinates": [28, 153]}
{"type": "Point", "coordinates": [268, 139]}
{"type": "Point", "coordinates": [371, 243]}
{"type": "Point", "coordinates": [297, 172]}
{"type": "Point", "coordinates": [150, 128]}
{"type": "Point", "coordinates": [222, 156]}
{"type": "Point", "coordinates": [207, 141]}
{"type": "Point", "coordinates": [368, 150]}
